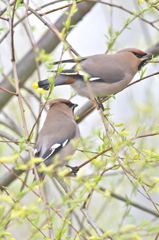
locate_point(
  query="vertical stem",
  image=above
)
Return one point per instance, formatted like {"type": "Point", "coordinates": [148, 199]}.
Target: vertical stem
{"type": "Point", "coordinates": [22, 110]}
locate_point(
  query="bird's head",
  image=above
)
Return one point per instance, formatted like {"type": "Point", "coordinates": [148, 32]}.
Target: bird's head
{"type": "Point", "coordinates": [61, 103]}
{"type": "Point", "coordinates": [141, 56]}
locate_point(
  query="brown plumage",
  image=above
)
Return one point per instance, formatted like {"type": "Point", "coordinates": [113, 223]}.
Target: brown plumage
{"type": "Point", "coordinates": [58, 132]}
{"type": "Point", "coordinates": [108, 73]}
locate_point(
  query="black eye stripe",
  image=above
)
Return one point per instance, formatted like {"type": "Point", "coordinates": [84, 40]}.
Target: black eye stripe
{"type": "Point", "coordinates": [68, 104]}
{"type": "Point", "coordinates": [139, 55]}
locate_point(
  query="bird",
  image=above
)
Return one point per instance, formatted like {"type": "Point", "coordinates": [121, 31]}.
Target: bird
{"type": "Point", "coordinates": [107, 73]}
{"type": "Point", "coordinates": [58, 133]}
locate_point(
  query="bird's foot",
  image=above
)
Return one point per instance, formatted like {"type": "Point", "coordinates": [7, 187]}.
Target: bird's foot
{"type": "Point", "coordinates": [41, 176]}
{"type": "Point", "coordinates": [100, 105]}
{"type": "Point", "coordinates": [74, 169]}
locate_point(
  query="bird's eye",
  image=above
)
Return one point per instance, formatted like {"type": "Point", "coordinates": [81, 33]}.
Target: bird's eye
{"type": "Point", "coordinates": [139, 55]}
{"type": "Point", "coordinates": [69, 104]}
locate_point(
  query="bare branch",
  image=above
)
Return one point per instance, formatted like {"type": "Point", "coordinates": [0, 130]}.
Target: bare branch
{"type": "Point", "coordinates": [132, 203]}
{"type": "Point", "coordinates": [8, 136]}
{"type": "Point", "coordinates": [48, 42]}
{"type": "Point", "coordinates": [5, 90]}
{"type": "Point", "coordinates": [87, 215]}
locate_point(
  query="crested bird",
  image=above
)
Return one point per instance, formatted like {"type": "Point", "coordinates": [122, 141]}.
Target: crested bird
{"type": "Point", "coordinates": [58, 133]}
{"type": "Point", "coordinates": [107, 73]}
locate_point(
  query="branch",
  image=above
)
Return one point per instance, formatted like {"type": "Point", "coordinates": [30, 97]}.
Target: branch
{"type": "Point", "coordinates": [85, 212]}
{"type": "Point", "coordinates": [89, 160]}
{"type": "Point", "coordinates": [5, 90]}
{"type": "Point", "coordinates": [82, 113]}
{"type": "Point", "coordinates": [54, 29]}
{"type": "Point", "coordinates": [2, 188]}
{"type": "Point", "coordinates": [129, 202]}
{"type": "Point", "coordinates": [9, 137]}
{"type": "Point", "coordinates": [48, 42]}
{"type": "Point", "coordinates": [9, 123]}
{"type": "Point", "coordinates": [9, 177]}
{"type": "Point", "coordinates": [89, 107]}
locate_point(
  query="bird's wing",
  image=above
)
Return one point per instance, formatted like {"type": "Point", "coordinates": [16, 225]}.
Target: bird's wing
{"type": "Point", "coordinates": [100, 68]}
{"type": "Point", "coordinates": [103, 68]}
{"type": "Point", "coordinates": [57, 137]}
{"type": "Point", "coordinates": [52, 150]}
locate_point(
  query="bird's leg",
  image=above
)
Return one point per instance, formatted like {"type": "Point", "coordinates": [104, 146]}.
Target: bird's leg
{"type": "Point", "coordinates": [41, 176]}
{"type": "Point", "coordinates": [100, 104]}
{"type": "Point", "coordinates": [74, 169]}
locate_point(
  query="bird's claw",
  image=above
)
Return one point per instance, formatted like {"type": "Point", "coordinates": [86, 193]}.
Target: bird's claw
{"type": "Point", "coordinates": [74, 169]}
{"type": "Point", "coordinates": [100, 105]}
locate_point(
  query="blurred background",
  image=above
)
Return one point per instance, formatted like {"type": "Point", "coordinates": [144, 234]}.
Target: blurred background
{"type": "Point", "coordinates": [99, 23]}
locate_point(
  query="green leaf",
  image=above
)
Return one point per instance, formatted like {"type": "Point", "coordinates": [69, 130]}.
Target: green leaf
{"type": "Point", "coordinates": [119, 124]}
{"type": "Point", "coordinates": [9, 159]}
{"type": "Point", "coordinates": [73, 8]}
{"type": "Point", "coordinates": [44, 57]}
{"type": "Point", "coordinates": [124, 132]}
{"type": "Point", "coordinates": [142, 72]}
{"type": "Point", "coordinates": [3, 29]}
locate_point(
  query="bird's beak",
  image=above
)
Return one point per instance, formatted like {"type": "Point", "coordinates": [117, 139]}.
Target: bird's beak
{"type": "Point", "coordinates": [74, 106]}
{"type": "Point", "coordinates": [148, 56]}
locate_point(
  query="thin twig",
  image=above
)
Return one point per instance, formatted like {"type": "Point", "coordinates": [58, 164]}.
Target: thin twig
{"type": "Point", "coordinates": [82, 116]}
{"type": "Point", "coordinates": [5, 90]}
{"type": "Point", "coordinates": [88, 217]}
{"type": "Point", "coordinates": [89, 160]}
{"type": "Point", "coordinates": [15, 203]}
{"type": "Point", "coordinates": [9, 137]}
{"type": "Point", "coordinates": [46, 203]}
{"type": "Point", "coordinates": [54, 29]}
{"type": "Point", "coordinates": [5, 19]}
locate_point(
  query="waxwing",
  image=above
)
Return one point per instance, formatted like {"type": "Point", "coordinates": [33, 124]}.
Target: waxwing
{"type": "Point", "coordinates": [57, 134]}
{"type": "Point", "coordinates": [106, 73]}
